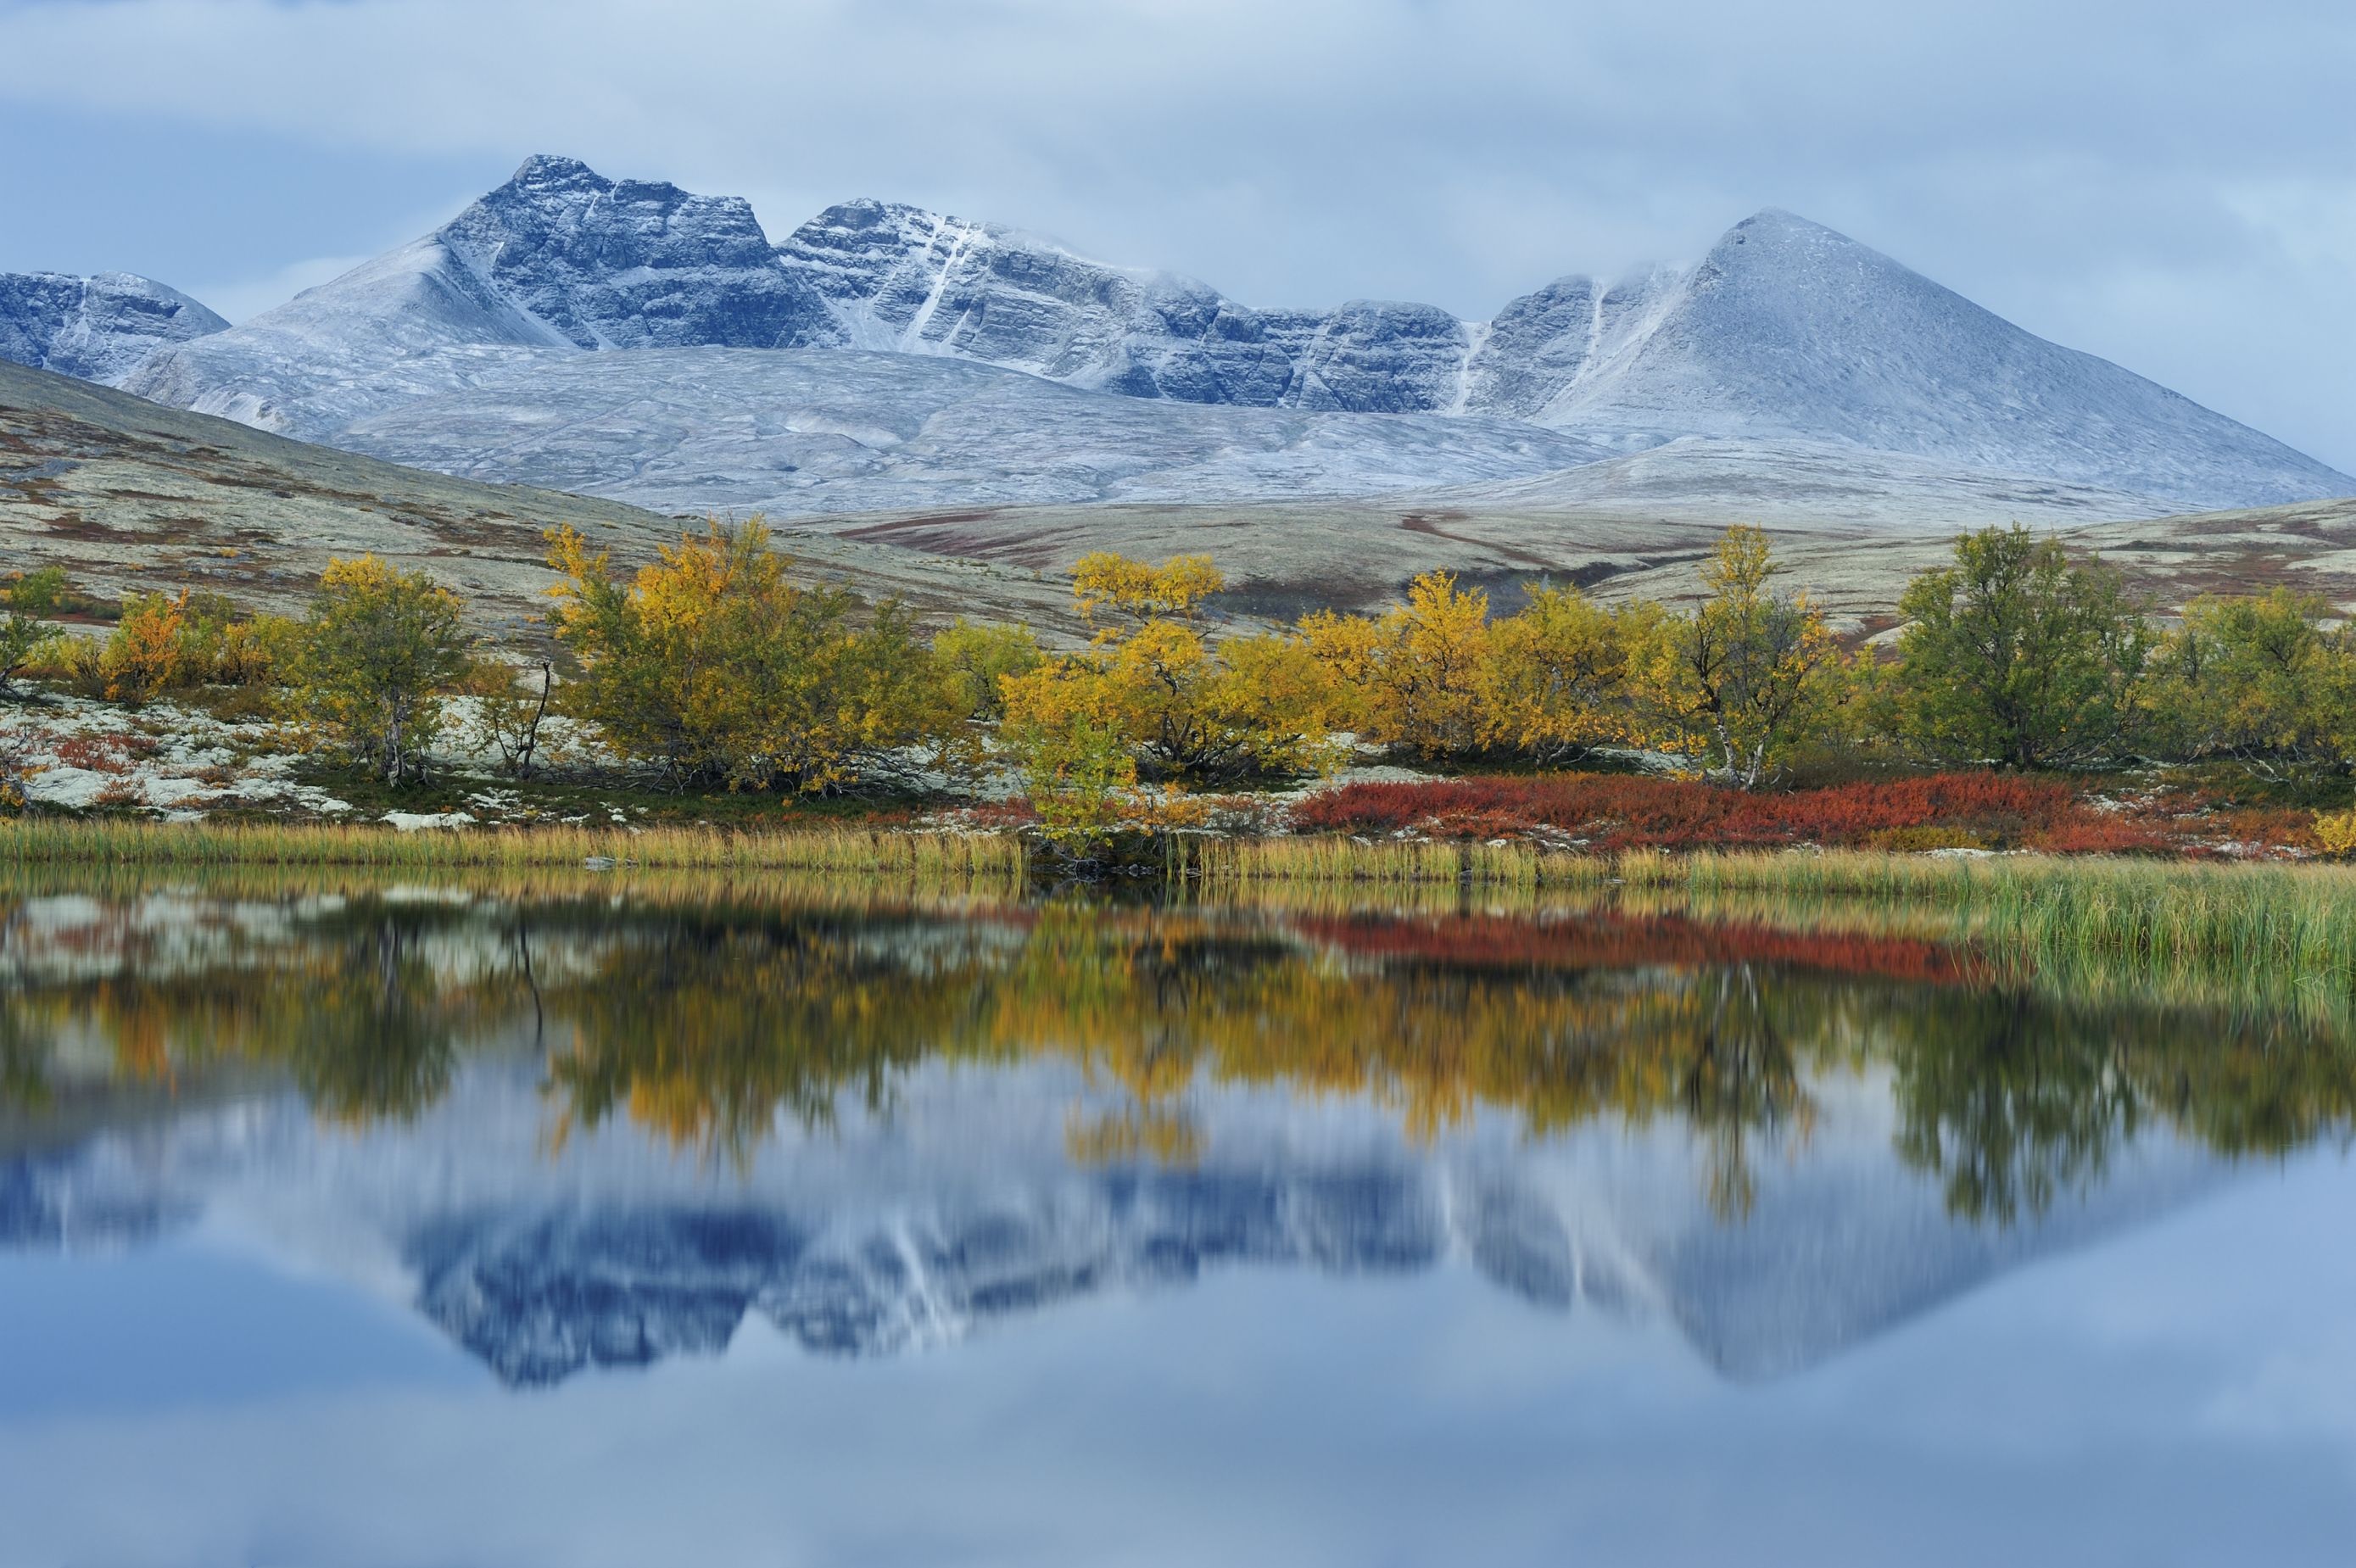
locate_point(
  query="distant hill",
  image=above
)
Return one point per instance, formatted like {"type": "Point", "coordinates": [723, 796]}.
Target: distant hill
{"type": "Point", "coordinates": [128, 494]}
{"type": "Point", "coordinates": [131, 496]}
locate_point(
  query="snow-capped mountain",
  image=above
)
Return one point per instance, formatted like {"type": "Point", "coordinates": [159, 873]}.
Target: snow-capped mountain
{"type": "Point", "coordinates": [558, 260]}
{"type": "Point", "coordinates": [100, 329]}
{"type": "Point", "coordinates": [1784, 333]}
{"type": "Point", "coordinates": [599, 263]}
{"type": "Point", "coordinates": [1787, 329]}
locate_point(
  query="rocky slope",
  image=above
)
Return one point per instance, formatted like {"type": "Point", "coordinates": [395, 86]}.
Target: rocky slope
{"type": "Point", "coordinates": [1786, 338]}
{"type": "Point", "coordinates": [908, 280]}
{"type": "Point", "coordinates": [601, 264]}
{"type": "Point", "coordinates": [100, 329]}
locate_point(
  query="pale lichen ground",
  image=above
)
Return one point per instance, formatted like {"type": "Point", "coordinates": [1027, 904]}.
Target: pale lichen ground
{"type": "Point", "coordinates": [175, 763]}
{"type": "Point", "coordinates": [178, 764]}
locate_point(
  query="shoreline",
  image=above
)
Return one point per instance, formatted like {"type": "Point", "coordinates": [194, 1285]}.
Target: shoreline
{"type": "Point", "coordinates": [2299, 914]}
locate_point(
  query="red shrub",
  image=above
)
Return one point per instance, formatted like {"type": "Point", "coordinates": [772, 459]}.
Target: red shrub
{"type": "Point", "coordinates": [1622, 940]}
{"type": "Point", "coordinates": [1618, 811]}
{"type": "Point", "coordinates": [1000, 813]}
{"type": "Point", "coordinates": [2276, 826]}
{"type": "Point", "coordinates": [104, 754]}
{"type": "Point", "coordinates": [2095, 833]}
{"type": "Point", "coordinates": [1486, 807]}
{"type": "Point", "coordinates": [2205, 818]}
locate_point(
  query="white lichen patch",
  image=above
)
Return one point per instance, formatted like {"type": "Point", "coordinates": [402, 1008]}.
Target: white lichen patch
{"type": "Point", "coordinates": [166, 759]}
{"type": "Point", "coordinates": [418, 821]}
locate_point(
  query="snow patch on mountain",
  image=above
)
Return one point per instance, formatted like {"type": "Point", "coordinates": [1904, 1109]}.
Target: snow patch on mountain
{"type": "Point", "coordinates": [1543, 345]}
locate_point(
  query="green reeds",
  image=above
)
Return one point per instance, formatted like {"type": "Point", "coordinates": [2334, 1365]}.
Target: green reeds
{"type": "Point", "coordinates": [2153, 911]}
{"type": "Point", "coordinates": [2049, 909]}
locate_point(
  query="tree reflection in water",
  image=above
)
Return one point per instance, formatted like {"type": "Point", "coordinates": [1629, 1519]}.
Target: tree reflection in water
{"type": "Point", "coordinates": [708, 1020]}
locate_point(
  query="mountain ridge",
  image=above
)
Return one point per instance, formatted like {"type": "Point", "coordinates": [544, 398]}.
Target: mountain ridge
{"type": "Point", "coordinates": [1785, 332]}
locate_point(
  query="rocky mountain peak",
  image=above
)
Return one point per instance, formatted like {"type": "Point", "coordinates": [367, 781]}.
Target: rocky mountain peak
{"type": "Point", "coordinates": [101, 328]}
{"type": "Point", "coordinates": [630, 263]}
{"type": "Point", "coordinates": [1777, 225]}
{"type": "Point", "coordinates": [1808, 270]}
{"type": "Point", "coordinates": [552, 171]}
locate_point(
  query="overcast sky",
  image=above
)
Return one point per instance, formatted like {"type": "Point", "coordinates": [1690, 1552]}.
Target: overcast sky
{"type": "Point", "coordinates": [2168, 183]}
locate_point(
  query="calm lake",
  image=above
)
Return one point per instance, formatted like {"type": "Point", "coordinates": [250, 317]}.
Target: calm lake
{"type": "Point", "coordinates": [615, 1222]}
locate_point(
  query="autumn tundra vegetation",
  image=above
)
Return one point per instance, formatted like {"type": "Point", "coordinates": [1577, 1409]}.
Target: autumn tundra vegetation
{"type": "Point", "coordinates": [2018, 689]}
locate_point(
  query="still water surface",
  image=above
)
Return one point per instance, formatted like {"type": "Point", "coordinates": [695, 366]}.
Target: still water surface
{"type": "Point", "coordinates": [417, 1227]}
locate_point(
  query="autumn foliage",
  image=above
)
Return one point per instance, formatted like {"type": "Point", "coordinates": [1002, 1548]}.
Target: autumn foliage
{"type": "Point", "coordinates": [1613, 812]}
{"type": "Point", "coordinates": [711, 663]}
{"type": "Point", "coordinates": [379, 652]}
{"type": "Point", "coordinates": [715, 667]}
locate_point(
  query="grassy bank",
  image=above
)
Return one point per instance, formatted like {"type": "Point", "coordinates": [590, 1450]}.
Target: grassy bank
{"type": "Point", "coordinates": [97, 845]}
{"type": "Point", "coordinates": [2146, 914]}
{"type": "Point", "coordinates": [2050, 908]}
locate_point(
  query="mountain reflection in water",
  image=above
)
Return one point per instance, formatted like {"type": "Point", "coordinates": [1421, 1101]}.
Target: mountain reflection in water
{"type": "Point", "coordinates": [596, 1132]}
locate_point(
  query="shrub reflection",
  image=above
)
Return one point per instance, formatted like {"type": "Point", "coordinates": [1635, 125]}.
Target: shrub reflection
{"type": "Point", "coordinates": [707, 1021]}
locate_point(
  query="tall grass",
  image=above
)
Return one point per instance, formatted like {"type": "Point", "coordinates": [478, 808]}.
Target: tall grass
{"type": "Point", "coordinates": [2145, 915]}
{"type": "Point", "coordinates": [98, 845]}
{"type": "Point", "coordinates": [801, 891]}
{"type": "Point", "coordinates": [2151, 912]}
{"type": "Point", "coordinates": [2148, 913]}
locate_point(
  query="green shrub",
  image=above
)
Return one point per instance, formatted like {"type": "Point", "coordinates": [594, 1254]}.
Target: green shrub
{"type": "Point", "coordinates": [373, 662]}
{"type": "Point", "coordinates": [38, 592]}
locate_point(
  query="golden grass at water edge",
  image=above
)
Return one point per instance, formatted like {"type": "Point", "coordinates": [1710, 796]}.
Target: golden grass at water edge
{"type": "Point", "coordinates": [2280, 916]}
{"type": "Point", "coordinates": [98, 844]}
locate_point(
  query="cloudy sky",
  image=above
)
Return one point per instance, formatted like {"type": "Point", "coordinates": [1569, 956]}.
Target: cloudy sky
{"type": "Point", "coordinates": [2163, 182]}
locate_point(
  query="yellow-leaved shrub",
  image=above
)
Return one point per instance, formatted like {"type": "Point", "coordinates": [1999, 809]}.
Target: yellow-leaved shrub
{"type": "Point", "coordinates": [711, 663]}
